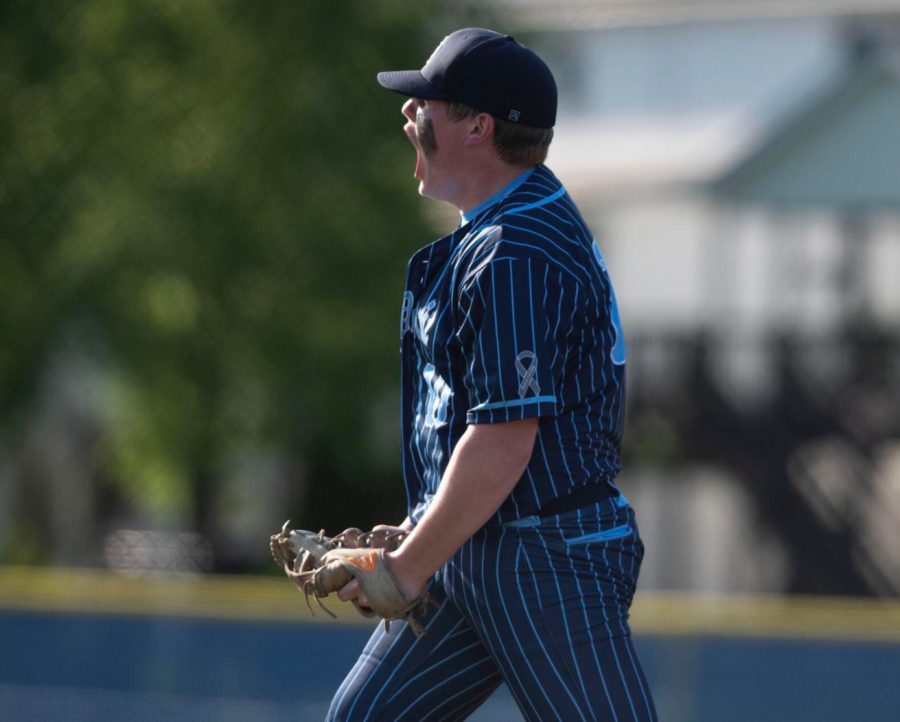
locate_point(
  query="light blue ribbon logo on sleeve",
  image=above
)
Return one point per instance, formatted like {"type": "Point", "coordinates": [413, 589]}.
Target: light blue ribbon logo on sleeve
{"type": "Point", "coordinates": [526, 367]}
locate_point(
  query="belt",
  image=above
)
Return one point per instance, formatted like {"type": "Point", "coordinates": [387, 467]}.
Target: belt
{"type": "Point", "coordinates": [589, 493]}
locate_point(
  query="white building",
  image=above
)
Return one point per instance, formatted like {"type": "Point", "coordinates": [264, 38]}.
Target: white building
{"type": "Point", "coordinates": [740, 165]}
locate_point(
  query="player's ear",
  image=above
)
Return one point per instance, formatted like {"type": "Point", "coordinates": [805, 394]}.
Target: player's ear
{"type": "Point", "coordinates": [481, 129]}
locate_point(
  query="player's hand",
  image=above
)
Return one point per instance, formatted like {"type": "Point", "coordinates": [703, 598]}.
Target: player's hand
{"type": "Point", "coordinates": [387, 527]}
{"type": "Point", "coordinates": [352, 591]}
{"type": "Point", "coordinates": [411, 587]}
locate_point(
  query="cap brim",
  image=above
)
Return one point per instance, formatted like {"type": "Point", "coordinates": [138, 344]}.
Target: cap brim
{"type": "Point", "coordinates": [409, 82]}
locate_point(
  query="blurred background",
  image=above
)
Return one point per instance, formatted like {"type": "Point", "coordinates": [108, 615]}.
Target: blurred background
{"type": "Point", "coordinates": [206, 210]}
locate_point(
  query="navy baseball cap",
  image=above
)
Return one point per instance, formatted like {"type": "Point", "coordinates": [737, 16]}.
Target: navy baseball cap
{"type": "Point", "coordinates": [489, 71]}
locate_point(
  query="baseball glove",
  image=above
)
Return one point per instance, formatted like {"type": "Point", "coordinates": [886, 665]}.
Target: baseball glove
{"type": "Point", "coordinates": [369, 568]}
{"type": "Point", "coordinates": [302, 556]}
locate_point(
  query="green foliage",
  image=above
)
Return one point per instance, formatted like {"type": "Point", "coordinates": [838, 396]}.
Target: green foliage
{"type": "Point", "coordinates": [218, 197]}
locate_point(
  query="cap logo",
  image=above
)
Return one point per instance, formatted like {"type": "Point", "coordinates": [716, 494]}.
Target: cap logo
{"type": "Point", "coordinates": [514, 115]}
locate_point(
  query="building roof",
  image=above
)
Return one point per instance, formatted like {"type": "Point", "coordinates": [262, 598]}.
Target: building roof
{"type": "Point", "coordinates": [620, 157]}
{"type": "Point", "coordinates": [842, 149]}
{"type": "Point", "coordinates": [587, 14]}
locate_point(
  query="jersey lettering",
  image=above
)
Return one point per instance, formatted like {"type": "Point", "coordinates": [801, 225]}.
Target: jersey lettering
{"type": "Point", "coordinates": [406, 313]}
{"type": "Point", "coordinates": [618, 350]}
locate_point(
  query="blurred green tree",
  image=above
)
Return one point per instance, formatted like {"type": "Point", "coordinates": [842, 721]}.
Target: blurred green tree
{"type": "Point", "coordinates": [216, 196]}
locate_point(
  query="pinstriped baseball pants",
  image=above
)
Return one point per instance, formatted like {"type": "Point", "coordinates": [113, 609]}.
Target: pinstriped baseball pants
{"type": "Point", "coordinates": [541, 605]}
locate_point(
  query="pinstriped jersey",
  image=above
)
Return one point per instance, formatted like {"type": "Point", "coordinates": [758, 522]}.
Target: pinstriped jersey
{"type": "Point", "coordinates": [512, 316]}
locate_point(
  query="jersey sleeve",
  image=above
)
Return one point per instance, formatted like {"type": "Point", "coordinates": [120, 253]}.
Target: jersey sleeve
{"type": "Point", "coordinates": [511, 324]}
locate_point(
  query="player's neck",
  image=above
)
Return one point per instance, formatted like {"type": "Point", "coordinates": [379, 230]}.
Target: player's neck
{"type": "Point", "coordinates": [484, 182]}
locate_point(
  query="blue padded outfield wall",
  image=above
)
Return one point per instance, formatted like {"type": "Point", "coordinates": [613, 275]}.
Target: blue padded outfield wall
{"type": "Point", "coordinates": [209, 661]}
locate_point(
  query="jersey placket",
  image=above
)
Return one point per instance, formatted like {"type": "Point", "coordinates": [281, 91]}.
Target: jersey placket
{"type": "Point", "coordinates": [424, 269]}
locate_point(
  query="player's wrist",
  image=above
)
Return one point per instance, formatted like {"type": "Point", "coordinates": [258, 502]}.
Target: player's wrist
{"type": "Point", "coordinates": [409, 577]}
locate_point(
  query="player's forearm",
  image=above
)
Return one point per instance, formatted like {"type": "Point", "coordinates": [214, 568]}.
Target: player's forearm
{"type": "Point", "coordinates": [485, 466]}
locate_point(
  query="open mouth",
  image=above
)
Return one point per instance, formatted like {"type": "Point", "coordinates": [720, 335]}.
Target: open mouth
{"type": "Point", "coordinates": [424, 140]}
{"type": "Point", "coordinates": [410, 131]}
{"type": "Point", "coordinates": [418, 172]}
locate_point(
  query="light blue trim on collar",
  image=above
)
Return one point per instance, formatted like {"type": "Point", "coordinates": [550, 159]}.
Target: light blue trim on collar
{"type": "Point", "coordinates": [538, 204]}
{"type": "Point", "coordinates": [496, 198]}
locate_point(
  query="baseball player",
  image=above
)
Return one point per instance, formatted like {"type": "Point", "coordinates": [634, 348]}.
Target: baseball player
{"type": "Point", "coordinates": [513, 364]}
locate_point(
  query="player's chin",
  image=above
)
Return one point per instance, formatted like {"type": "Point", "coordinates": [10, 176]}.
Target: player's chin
{"type": "Point", "coordinates": [422, 177]}
{"type": "Point", "coordinates": [426, 191]}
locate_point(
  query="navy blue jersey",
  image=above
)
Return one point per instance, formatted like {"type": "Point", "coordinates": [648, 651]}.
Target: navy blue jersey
{"type": "Point", "coordinates": [513, 316]}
